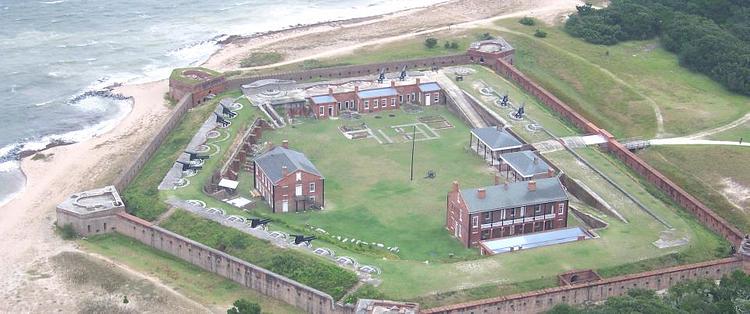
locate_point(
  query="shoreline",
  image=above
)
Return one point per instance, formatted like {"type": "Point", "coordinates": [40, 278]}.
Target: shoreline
{"type": "Point", "coordinates": [26, 221]}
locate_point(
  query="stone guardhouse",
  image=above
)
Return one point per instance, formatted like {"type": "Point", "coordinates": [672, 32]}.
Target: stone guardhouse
{"type": "Point", "coordinates": [91, 212]}
{"type": "Point", "coordinates": [288, 181]}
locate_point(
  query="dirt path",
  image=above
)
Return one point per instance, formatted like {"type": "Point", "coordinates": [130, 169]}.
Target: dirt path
{"type": "Point", "coordinates": [733, 124]}
{"type": "Point", "coordinates": [660, 131]}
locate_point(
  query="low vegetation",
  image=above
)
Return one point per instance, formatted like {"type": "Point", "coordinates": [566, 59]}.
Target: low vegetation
{"type": "Point", "coordinates": [309, 270]}
{"type": "Point", "coordinates": [243, 306]}
{"type": "Point", "coordinates": [730, 295]}
{"type": "Point", "coordinates": [712, 38]}
{"type": "Point", "coordinates": [261, 58]}
{"type": "Point", "coordinates": [67, 232]}
{"type": "Point", "coordinates": [193, 282]}
{"type": "Point", "coordinates": [430, 42]}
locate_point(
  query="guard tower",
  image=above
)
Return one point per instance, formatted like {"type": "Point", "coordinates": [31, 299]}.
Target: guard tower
{"type": "Point", "coordinates": [488, 51]}
{"type": "Point", "coordinates": [91, 212]}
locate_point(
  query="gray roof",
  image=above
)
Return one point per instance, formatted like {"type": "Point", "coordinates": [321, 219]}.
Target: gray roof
{"type": "Point", "coordinates": [496, 139]}
{"type": "Point", "coordinates": [323, 99]}
{"type": "Point", "coordinates": [378, 92]}
{"type": "Point", "coordinates": [272, 161]}
{"type": "Point", "coordinates": [517, 195]}
{"type": "Point", "coordinates": [526, 163]}
{"type": "Point", "coordinates": [429, 87]}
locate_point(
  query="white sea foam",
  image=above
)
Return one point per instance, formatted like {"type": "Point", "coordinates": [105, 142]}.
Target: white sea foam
{"type": "Point", "coordinates": [53, 2]}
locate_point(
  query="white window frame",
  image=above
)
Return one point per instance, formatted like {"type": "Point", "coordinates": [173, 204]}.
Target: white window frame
{"type": "Point", "coordinates": [298, 176]}
{"type": "Point", "coordinates": [393, 102]}
{"type": "Point", "coordinates": [322, 110]}
{"type": "Point", "coordinates": [375, 104]}
{"type": "Point", "coordinates": [560, 208]}
{"type": "Point", "coordinates": [312, 187]}
{"type": "Point", "coordinates": [474, 221]}
{"type": "Point", "coordinates": [298, 190]}
{"type": "Point", "coordinates": [367, 104]}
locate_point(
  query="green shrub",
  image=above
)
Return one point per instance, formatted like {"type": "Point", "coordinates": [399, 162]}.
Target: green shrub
{"type": "Point", "coordinates": [261, 58]}
{"type": "Point", "coordinates": [67, 232]}
{"type": "Point", "coordinates": [528, 21]}
{"type": "Point", "coordinates": [454, 45]}
{"type": "Point", "coordinates": [486, 36]}
{"type": "Point", "coordinates": [243, 306]}
{"type": "Point", "coordinates": [540, 33]}
{"type": "Point", "coordinates": [447, 45]}
{"type": "Point", "coordinates": [430, 42]}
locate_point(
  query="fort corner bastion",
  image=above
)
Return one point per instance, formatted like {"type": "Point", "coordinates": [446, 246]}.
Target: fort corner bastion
{"type": "Point", "coordinates": [101, 211]}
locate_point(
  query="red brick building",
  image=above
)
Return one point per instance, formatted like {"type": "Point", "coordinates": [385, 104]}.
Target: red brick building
{"type": "Point", "coordinates": [505, 210]}
{"type": "Point", "coordinates": [376, 99]}
{"type": "Point", "coordinates": [288, 181]}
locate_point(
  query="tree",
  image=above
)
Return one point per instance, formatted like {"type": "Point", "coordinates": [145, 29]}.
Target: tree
{"type": "Point", "coordinates": [527, 21]}
{"type": "Point", "coordinates": [243, 306]}
{"type": "Point", "coordinates": [447, 45]}
{"type": "Point", "coordinates": [540, 33]}
{"type": "Point", "coordinates": [430, 42]}
{"type": "Point", "coordinates": [454, 45]}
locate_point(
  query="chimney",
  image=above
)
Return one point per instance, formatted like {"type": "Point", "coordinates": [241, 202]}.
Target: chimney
{"type": "Point", "coordinates": [356, 88]}
{"type": "Point", "coordinates": [497, 179]}
{"type": "Point", "coordinates": [330, 91]}
{"type": "Point", "coordinates": [417, 81]}
{"type": "Point", "coordinates": [481, 193]}
{"type": "Point", "coordinates": [536, 160]}
{"type": "Point", "coordinates": [285, 143]}
{"type": "Point", "coordinates": [532, 185]}
{"type": "Point", "coordinates": [393, 83]}
{"type": "Point", "coordinates": [550, 172]}
{"type": "Point", "coordinates": [284, 171]}
{"type": "Point", "coordinates": [455, 186]}
{"type": "Point", "coordinates": [499, 128]}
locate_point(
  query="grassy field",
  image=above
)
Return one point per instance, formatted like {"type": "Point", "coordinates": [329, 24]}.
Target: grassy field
{"type": "Point", "coordinates": [618, 86]}
{"type": "Point", "coordinates": [718, 176]}
{"type": "Point", "coordinates": [179, 275]}
{"type": "Point", "coordinates": [734, 134]}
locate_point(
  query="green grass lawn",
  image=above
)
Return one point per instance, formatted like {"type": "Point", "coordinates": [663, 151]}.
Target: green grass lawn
{"type": "Point", "coordinates": [717, 175]}
{"type": "Point", "coordinates": [734, 134]}
{"type": "Point", "coordinates": [617, 86]}
{"type": "Point", "coordinates": [195, 283]}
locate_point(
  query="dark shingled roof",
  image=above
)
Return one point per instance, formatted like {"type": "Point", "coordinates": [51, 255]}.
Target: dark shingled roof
{"type": "Point", "coordinates": [496, 139]}
{"type": "Point", "coordinates": [272, 161]}
{"type": "Point", "coordinates": [523, 163]}
{"type": "Point", "coordinates": [517, 195]}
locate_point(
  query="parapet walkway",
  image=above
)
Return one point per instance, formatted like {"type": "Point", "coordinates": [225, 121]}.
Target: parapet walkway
{"type": "Point", "coordinates": [455, 93]}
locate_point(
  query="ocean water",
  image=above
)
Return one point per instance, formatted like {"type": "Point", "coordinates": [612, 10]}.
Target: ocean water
{"type": "Point", "coordinates": [54, 51]}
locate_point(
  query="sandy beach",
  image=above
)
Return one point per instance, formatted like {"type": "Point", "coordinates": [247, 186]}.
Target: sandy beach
{"type": "Point", "coordinates": [26, 223]}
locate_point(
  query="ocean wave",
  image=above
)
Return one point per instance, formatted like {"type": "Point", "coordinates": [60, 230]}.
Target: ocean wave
{"type": "Point", "coordinates": [57, 74]}
{"type": "Point", "coordinates": [52, 2]}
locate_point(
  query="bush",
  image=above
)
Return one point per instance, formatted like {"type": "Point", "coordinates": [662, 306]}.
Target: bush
{"type": "Point", "coordinates": [527, 21]}
{"type": "Point", "coordinates": [243, 306]}
{"type": "Point", "coordinates": [540, 33]}
{"type": "Point", "coordinates": [261, 58]}
{"type": "Point", "coordinates": [454, 45]}
{"type": "Point", "coordinates": [67, 232]}
{"type": "Point", "coordinates": [430, 42]}
{"type": "Point", "coordinates": [486, 36]}
{"type": "Point", "coordinates": [447, 45]}
{"type": "Point", "coordinates": [365, 292]}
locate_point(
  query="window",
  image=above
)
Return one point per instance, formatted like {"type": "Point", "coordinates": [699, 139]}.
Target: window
{"type": "Point", "coordinates": [485, 234]}
{"type": "Point", "coordinates": [537, 209]}
{"type": "Point", "coordinates": [561, 208]}
{"type": "Point", "coordinates": [523, 211]}
{"type": "Point", "coordinates": [312, 187]}
{"type": "Point", "coordinates": [475, 221]}
{"type": "Point", "coordinates": [298, 190]}
{"type": "Point", "coordinates": [487, 217]}
{"type": "Point", "coordinates": [401, 98]}
{"type": "Point", "coordinates": [375, 103]}
{"type": "Point", "coordinates": [393, 102]}
{"type": "Point", "coordinates": [384, 102]}
{"type": "Point", "coordinates": [321, 110]}
{"type": "Point", "coordinates": [299, 176]}
{"type": "Point", "coordinates": [437, 97]}
{"type": "Point", "coordinates": [512, 212]}
{"type": "Point", "coordinates": [367, 104]}
{"type": "Point", "coordinates": [413, 96]}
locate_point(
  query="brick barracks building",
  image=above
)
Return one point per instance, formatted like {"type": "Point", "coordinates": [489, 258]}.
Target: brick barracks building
{"type": "Point", "coordinates": [375, 100]}
{"type": "Point", "coordinates": [505, 210]}
{"type": "Point", "coordinates": [288, 181]}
